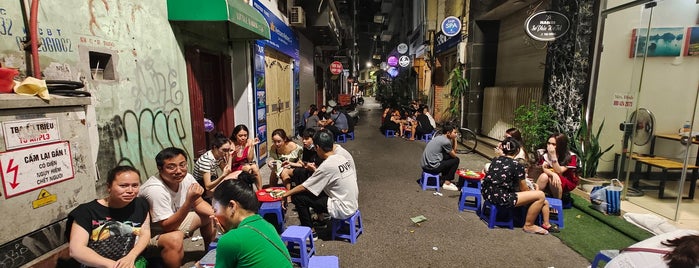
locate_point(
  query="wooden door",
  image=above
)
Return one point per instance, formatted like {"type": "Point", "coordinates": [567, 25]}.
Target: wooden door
{"type": "Point", "coordinates": [278, 72]}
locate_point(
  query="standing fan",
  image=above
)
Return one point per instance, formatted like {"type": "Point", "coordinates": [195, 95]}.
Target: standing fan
{"type": "Point", "coordinates": [640, 127]}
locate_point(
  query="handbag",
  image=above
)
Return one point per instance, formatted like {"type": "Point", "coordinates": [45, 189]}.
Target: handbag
{"type": "Point", "coordinates": [113, 247]}
{"type": "Point", "coordinates": [607, 199]}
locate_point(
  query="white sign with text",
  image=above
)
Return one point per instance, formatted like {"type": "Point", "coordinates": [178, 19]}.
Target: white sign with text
{"type": "Point", "coordinates": [622, 100]}
{"type": "Point", "coordinates": [31, 168]}
{"type": "Point", "coordinates": [23, 133]}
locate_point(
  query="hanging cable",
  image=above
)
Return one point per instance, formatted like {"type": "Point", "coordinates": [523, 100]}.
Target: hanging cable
{"type": "Point", "coordinates": [34, 37]}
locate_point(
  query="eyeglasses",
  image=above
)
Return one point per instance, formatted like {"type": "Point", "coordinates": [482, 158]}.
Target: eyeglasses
{"type": "Point", "coordinates": [551, 143]}
{"type": "Point", "coordinates": [173, 167]}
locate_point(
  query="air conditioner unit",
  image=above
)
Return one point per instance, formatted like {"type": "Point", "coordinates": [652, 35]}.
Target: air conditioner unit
{"type": "Point", "coordinates": [297, 17]}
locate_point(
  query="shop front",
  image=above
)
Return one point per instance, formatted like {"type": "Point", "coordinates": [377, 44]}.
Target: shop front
{"type": "Point", "coordinates": [645, 89]}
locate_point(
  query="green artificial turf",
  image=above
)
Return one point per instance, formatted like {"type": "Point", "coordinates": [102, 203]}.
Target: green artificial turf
{"type": "Point", "coordinates": [588, 231]}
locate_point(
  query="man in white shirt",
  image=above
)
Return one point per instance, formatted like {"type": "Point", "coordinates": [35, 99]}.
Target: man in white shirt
{"type": "Point", "coordinates": [331, 189]}
{"type": "Point", "coordinates": [176, 206]}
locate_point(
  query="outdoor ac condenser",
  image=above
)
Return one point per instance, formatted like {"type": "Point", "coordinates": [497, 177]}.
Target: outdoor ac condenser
{"type": "Point", "coordinates": [297, 17]}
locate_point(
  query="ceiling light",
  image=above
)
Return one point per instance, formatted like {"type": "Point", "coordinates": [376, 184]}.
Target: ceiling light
{"type": "Point", "coordinates": [378, 19]}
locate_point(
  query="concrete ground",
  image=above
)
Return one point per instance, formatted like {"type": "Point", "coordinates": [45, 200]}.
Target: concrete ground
{"type": "Point", "coordinates": [389, 196]}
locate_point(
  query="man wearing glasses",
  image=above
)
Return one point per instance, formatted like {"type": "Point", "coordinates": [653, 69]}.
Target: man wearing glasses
{"type": "Point", "coordinates": [176, 206]}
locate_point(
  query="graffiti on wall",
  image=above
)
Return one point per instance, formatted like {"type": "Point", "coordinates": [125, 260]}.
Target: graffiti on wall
{"type": "Point", "coordinates": [153, 121]}
{"type": "Point", "coordinates": [27, 248]}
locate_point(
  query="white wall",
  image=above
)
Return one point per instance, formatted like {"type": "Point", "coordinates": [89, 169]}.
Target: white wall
{"type": "Point", "coordinates": [669, 85]}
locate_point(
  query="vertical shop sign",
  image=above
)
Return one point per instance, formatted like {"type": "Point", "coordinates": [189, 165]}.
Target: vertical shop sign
{"type": "Point", "coordinates": [260, 103]}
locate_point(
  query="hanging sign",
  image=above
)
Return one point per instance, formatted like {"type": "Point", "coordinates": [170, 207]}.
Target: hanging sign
{"type": "Point", "coordinates": [392, 61]}
{"type": "Point", "coordinates": [546, 25]}
{"type": "Point", "coordinates": [451, 26]}
{"type": "Point", "coordinates": [335, 67]}
{"type": "Point", "coordinates": [404, 61]}
{"type": "Point", "coordinates": [402, 48]}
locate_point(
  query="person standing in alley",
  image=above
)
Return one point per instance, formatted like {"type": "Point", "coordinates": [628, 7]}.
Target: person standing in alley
{"type": "Point", "coordinates": [440, 156]}
{"type": "Point", "coordinates": [176, 206]}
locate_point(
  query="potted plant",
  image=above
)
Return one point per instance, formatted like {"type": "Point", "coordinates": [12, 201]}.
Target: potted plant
{"type": "Point", "coordinates": [586, 145]}
{"type": "Point", "coordinates": [536, 122]}
{"type": "Point", "coordinates": [458, 85]}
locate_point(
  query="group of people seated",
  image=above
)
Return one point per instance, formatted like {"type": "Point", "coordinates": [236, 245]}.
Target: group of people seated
{"type": "Point", "coordinates": [415, 120]}
{"type": "Point", "coordinates": [506, 183]}
{"type": "Point", "coordinates": [114, 231]}
{"type": "Point", "coordinates": [327, 117]}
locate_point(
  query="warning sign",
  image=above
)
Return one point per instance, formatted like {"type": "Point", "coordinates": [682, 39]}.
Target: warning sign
{"type": "Point", "coordinates": [27, 169]}
{"type": "Point", "coordinates": [44, 199]}
{"type": "Point", "coordinates": [25, 133]}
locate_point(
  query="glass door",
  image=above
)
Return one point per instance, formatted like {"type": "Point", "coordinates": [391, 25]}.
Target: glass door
{"type": "Point", "coordinates": [648, 81]}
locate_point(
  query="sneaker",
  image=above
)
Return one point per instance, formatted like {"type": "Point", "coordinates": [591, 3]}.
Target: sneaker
{"type": "Point", "coordinates": [315, 236]}
{"type": "Point", "coordinates": [450, 187]}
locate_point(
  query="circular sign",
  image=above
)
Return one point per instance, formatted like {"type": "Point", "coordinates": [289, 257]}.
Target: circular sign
{"type": "Point", "coordinates": [546, 25]}
{"type": "Point", "coordinates": [402, 48]}
{"type": "Point", "coordinates": [404, 61]}
{"type": "Point", "coordinates": [392, 61]}
{"type": "Point", "coordinates": [451, 26]}
{"type": "Point", "coordinates": [335, 67]}
{"type": "Point", "coordinates": [392, 71]}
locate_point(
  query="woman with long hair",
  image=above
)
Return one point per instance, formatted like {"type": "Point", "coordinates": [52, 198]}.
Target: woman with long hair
{"type": "Point", "coordinates": [206, 168]}
{"type": "Point", "coordinates": [243, 154]}
{"type": "Point", "coordinates": [284, 156]}
{"type": "Point", "coordinates": [559, 165]}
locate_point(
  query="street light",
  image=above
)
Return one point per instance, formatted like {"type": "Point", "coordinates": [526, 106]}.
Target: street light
{"type": "Point", "coordinates": [368, 64]}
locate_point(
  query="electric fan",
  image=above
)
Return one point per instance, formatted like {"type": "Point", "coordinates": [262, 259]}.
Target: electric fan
{"type": "Point", "coordinates": [640, 128]}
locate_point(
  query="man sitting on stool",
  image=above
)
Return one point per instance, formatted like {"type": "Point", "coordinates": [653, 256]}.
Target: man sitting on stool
{"type": "Point", "coordinates": [331, 189]}
{"type": "Point", "coordinates": [440, 156]}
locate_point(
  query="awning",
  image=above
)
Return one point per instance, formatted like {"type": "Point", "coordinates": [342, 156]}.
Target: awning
{"type": "Point", "coordinates": [248, 22]}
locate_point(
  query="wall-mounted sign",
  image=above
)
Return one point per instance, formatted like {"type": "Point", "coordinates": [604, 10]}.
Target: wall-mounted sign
{"type": "Point", "coordinates": [546, 25]}
{"type": "Point", "coordinates": [23, 133]}
{"type": "Point", "coordinates": [335, 67]}
{"type": "Point", "coordinates": [451, 26]}
{"type": "Point", "coordinates": [404, 61]}
{"type": "Point", "coordinates": [24, 170]}
{"type": "Point", "coordinates": [392, 61]}
{"type": "Point", "coordinates": [392, 71]}
{"type": "Point", "coordinates": [402, 48]}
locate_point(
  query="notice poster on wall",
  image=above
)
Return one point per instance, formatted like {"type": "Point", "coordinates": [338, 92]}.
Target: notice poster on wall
{"type": "Point", "coordinates": [261, 103]}
{"type": "Point", "coordinates": [27, 169]}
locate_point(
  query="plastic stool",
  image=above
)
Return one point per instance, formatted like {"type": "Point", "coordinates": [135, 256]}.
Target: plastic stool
{"type": "Point", "coordinates": [425, 181]}
{"type": "Point", "coordinates": [605, 256]}
{"type": "Point", "coordinates": [390, 133]}
{"type": "Point", "coordinates": [465, 204]}
{"type": "Point", "coordinates": [299, 239]}
{"type": "Point", "coordinates": [350, 135]}
{"type": "Point", "coordinates": [556, 204]}
{"type": "Point", "coordinates": [427, 137]}
{"type": "Point", "coordinates": [273, 208]}
{"type": "Point", "coordinates": [354, 223]}
{"type": "Point", "coordinates": [212, 245]}
{"type": "Point", "coordinates": [324, 262]}
{"type": "Point", "coordinates": [491, 217]}
{"type": "Point", "coordinates": [342, 138]}
{"type": "Point", "coordinates": [406, 135]}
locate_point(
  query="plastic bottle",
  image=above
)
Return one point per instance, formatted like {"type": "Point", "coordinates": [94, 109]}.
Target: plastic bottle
{"type": "Point", "coordinates": [685, 127]}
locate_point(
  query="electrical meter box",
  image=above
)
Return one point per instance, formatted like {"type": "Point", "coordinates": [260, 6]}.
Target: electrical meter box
{"type": "Point", "coordinates": [47, 170]}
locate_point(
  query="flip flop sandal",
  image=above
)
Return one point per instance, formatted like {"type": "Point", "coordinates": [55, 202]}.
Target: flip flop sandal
{"type": "Point", "coordinates": [553, 228]}
{"type": "Point", "coordinates": [539, 231]}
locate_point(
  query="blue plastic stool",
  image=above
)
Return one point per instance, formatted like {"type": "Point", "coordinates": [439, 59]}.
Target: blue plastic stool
{"type": "Point", "coordinates": [427, 137]}
{"type": "Point", "coordinates": [605, 256]}
{"type": "Point", "coordinates": [390, 133]}
{"type": "Point", "coordinates": [350, 135]}
{"type": "Point", "coordinates": [556, 204]}
{"type": "Point", "coordinates": [299, 239]}
{"type": "Point", "coordinates": [324, 262]}
{"type": "Point", "coordinates": [406, 135]}
{"type": "Point", "coordinates": [273, 208]}
{"type": "Point", "coordinates": [492, 215]}
{"type": "Point", "coordinates": [425, 181]}
{"type": "Point", "coordinates": [465, 204]}
{"type": "Point", "coordinates": [342, 138]}
{"type": "Point", "coordinates": [354, 224]}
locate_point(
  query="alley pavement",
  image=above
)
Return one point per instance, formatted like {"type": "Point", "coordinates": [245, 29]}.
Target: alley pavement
{"type": "Point", "coordinates": [389, 196]}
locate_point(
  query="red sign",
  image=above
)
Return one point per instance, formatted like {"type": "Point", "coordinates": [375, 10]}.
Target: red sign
{"type": "Point", "coordinates": [335, 67]}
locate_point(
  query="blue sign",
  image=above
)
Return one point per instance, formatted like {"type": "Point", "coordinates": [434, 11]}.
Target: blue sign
{"type": "Point", "coordinates": [451, 26]}
{"type": "Point", "coordinates": [444, 42]}
{"type": "Point", "coordinates": [282, 38]}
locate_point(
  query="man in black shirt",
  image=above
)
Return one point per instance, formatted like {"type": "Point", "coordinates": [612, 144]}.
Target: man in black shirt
{"type": "Point", "coordinates": [423, 123]}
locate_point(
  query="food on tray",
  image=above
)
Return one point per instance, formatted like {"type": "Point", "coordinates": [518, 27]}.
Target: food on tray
{"type": "Point", "coordinates": [469, 173]}
{"type": "Point", "coordinates": [268, 190]}
{"type": "Point", "coordinates": [277, 193]}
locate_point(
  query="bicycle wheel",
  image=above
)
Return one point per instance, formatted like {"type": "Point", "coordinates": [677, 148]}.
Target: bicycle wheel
{"type": "Point", "coordinates": [468, 141]}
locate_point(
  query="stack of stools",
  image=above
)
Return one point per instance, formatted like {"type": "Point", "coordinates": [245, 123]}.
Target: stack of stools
{"type": "Point", "coordinates": [324, 262]}
{"type": "Point", "coordinates": [489, 214]}
{"type": "Point", "coordinates": [425, 181]}
{"type": "Point", "coordinates": [353, 224]}
{"type": "Point", "coordinates": [276, 209]}
{"type": "Point", "coordinates": [557, 204]}
{"type": "Point", "coordinates": [390, 133]}
{"type": "Point", "coordinates": [299, 241]}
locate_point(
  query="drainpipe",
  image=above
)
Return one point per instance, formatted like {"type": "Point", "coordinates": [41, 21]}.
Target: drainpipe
{"type": "Point", "coordinates": [34, 38]}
